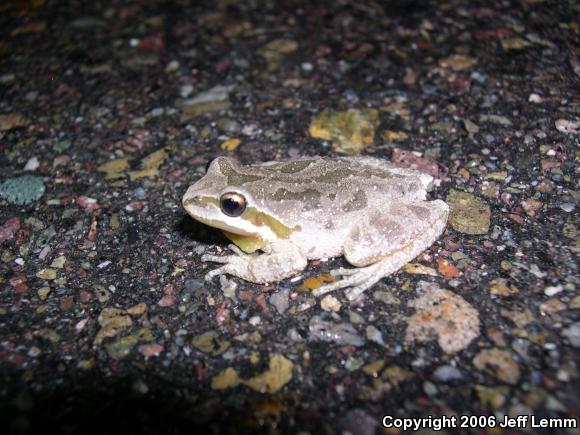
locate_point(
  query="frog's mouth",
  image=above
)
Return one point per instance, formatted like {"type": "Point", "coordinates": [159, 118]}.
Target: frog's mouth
{"type": "Point", "coordinates": [221, 225]}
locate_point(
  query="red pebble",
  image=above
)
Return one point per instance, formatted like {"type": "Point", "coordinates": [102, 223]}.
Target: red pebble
{"type": "Point", "coordinates": [149, 350]}
{"type": "Point", "coordinates": [84, 296]}
{"type": "Point", "coordinates": [222, 313]}
{"type": "Point", "coordinates": [167, 301]}
{"type": "Point", "coordinates": [261, 301]}
{"type": "Point", "coordinates": [9, 228]}
{"type": "Point", "coordinates": [87, 204]}
{"type": "Point", "coordinates": [134, 206]}
{"type": "Point", "coordinates": [154, 43]}
{"type": "Point", "coordinates": [19, 283]}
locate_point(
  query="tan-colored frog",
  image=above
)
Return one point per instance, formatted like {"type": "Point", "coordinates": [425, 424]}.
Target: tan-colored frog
{"type": "Point", "coordinates": [367, 209]}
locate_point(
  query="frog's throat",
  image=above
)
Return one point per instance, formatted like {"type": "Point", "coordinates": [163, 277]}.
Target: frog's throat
{"type": "Point", "coordinates": [248, 244]}
{"type": "Point", "coordinates": [247, 241]}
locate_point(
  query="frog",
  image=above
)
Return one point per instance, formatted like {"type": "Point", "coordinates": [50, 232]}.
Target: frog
{"type": "Point", "coordinates": [281, 214]}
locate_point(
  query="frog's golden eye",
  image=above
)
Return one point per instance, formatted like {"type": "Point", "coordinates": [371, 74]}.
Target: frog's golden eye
{"type": "Point", "coordinates": [232, 204]}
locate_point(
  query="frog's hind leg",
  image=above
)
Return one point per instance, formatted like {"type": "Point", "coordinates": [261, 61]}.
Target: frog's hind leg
{"type": "Point", "coordinates": [386, 241]}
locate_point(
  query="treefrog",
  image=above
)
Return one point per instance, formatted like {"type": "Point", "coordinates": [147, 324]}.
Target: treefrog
{"type": "Point", "coordinates": [279, 215]}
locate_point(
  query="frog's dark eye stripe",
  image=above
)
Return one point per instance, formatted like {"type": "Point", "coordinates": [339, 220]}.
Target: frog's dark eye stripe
{"type": "Point", "coordinates": [233, 204]}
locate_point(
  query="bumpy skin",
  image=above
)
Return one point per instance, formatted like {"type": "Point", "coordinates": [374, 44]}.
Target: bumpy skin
{"type": "Point", "coordinates": [367, 209]}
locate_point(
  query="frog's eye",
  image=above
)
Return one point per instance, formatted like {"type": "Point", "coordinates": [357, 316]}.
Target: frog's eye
{"type": "Point", "coordinates": [232, 204]}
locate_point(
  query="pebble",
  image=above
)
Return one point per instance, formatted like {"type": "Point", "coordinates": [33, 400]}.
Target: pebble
{"type": "Point", "coordinates": [102, 294]}
{"type": "Point", "coordinates": [274, 51]}
{"type": "Point", "coordinates": [217, 93]}
{"type": "Point", "coordinates": [491, 397]}
{"type": "Point", "coordinates": [447, 374]}
{"type": "Point", "coordinates": [278, 374]}
{"type": "Point", "coordinates": [430, 389]}
{"type": "Point", "coordinates": [553, 290]}
{"type": "Point", "coordinates": [61, 146]}
{"type": "Point", "coordinates": [9, 229]}
{"type": "Point", "coordinates": [499, 363]}
{"type": "Point", "coordinates": [358, 422]}
{"type": "Point", "coordinates": [122, 347]}
{"type": "Point", "coordinates": [566, 126]}
{"type": "Point", "coordinates": [280, 300]}
{"type": "Point", "coordinates": [172, 66]}
{"type": "Point", "coordinates": [386, 297]}
{"type": "Point", "coordinates": [22, 190]}
{"type": "Point", "coordinates": [373, 334]}
{"type": "Point", "coordinates": [210, 342]}
{"type": "Point", "coordinates": [32, 164]}
{"type": "Point", "coordinates": [58, 262]}
{"type": "Point", "coordinates": [339, 333]}
{"type": "Point", "coordinates": [350, 131]}
{"type": "Point", "coordinates": [572, 333]}
{"type": "Point", "coordinates": [230, 144]}
{"type": "Point", "coordinates": [458, 62]}
{"type": "Point", "coordinates": [185, 91]}
{"type": "Point", "coordinates": [502, 287]}
{"type": "Point", "coordinates": [229, 125]}
{"type": "Point", "coordinates": [469, 214]}
{"type": "Point", "coordinates": [190, 287]}
{"type": "Point", "coordinates": [48, 274]}
{"type": "Point", "coordinates": [442, 314]}
{"type": "Point", "coordinates": [11, 121]}
{"type": "Point", "coordinates": [353, 363]}
{"type": "Point", "coordinates": [330, 303]}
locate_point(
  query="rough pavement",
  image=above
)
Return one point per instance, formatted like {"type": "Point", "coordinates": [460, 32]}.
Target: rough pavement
{"type": "Point", "coordinates": [108, 111]}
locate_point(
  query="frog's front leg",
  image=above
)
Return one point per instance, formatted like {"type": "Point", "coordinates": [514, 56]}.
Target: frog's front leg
{"type": "Point", "coordinates": [387, 240]}
{"type": "Point", "coordinates": [282, 260]}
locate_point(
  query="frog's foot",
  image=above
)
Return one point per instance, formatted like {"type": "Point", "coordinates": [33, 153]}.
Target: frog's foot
{"type": "Point", "coordinates": [232, 262]}
{"type": "Point", "coordinates": [355, 280]}
{"type": "Point", "coordinates": [282, 261]}
{"type": "Point", "coordinates": [224, 258]}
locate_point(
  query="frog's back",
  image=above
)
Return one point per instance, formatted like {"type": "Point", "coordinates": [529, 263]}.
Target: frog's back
{"type": "Point", "coordinates": [335, 177]}
{"type": "Point", "coordinates": [316, 167]}
{"type": "Point", "coordinates": [326, 197]}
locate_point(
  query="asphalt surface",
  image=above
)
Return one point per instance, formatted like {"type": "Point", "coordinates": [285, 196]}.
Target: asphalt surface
{"type": "Point", "coordinates": [110, 110]}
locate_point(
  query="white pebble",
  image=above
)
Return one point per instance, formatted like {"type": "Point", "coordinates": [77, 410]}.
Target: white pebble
{"type": "Point", "coordinates": [32, 164]}
{"type": "Point", "coordinates": [553, 290]}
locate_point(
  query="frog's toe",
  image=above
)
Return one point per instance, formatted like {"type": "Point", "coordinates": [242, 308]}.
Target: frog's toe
{"type": "Point", "coordinates": [233, 266]}
{"type": "Point", "coordinates": [355, 291]}
{"type": "Point", "coordinates": [344, 271]}
{"type": "Point", "coordinates": [236, 250]}
{"type": "Point", "coordinates": [327, 288]}
{"type": "Point", "coordinates": [213, 273]}
{"type": "Point", "coordinates": [214, 258]}
{"type": "Point", "coordinates": [356, 281]}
